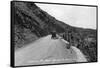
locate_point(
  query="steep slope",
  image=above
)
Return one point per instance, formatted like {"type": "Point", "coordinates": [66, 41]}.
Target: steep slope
{"type": "Point", "coordinates": [31, 23]}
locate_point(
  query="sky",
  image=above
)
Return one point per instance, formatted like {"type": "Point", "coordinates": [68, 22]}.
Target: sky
{"type": "Point", "coordinates": [78, 16]}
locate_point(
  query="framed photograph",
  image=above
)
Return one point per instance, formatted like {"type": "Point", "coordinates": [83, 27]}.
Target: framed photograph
{"type": "Point", "coordinates": [44, 33]}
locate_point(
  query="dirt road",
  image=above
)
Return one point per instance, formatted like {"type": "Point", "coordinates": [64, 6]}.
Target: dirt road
{"type": "Point", "coordinates": [47, 51]}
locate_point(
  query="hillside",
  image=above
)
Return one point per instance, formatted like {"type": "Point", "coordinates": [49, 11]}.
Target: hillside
{"type": "Point", "coordinates": [32, 23]}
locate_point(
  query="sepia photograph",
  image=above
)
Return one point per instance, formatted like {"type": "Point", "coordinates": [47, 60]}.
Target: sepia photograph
{"type": "Point", "coordinates": [52, 33]}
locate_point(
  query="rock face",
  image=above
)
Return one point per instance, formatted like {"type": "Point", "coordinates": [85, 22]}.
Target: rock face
{"type": "Point", "coordinates": [31, 23]}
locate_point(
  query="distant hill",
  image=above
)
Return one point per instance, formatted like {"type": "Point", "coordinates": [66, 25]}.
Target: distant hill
{"type": "Point", "coordinates": [31, 23]}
